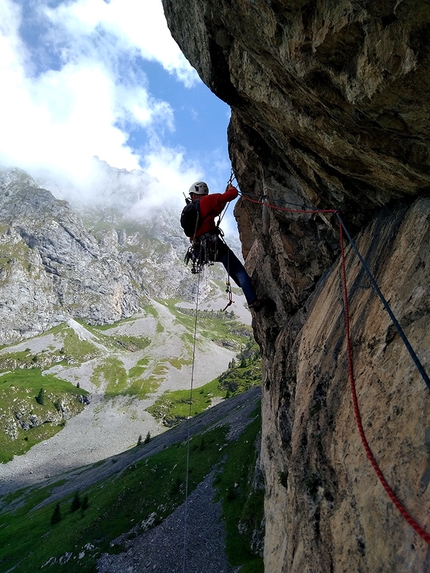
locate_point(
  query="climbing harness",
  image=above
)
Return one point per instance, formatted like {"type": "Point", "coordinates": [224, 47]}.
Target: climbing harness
{"type": "Point", "coordinates": [202, 251]}
{"type": "Point", "coordinates": [309, 210]}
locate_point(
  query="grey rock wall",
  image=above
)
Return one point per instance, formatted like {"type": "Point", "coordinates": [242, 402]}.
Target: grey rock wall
{"type": "Point", "coordinates": [52, 268]}
{"type": "Point", "coordinates": [330, 110]}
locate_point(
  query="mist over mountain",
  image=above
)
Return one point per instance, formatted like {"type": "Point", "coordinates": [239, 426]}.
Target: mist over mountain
{"type": "Point", "coordinates": [106, 186]}
{"type": "Point", "coordinates": [100, 256]}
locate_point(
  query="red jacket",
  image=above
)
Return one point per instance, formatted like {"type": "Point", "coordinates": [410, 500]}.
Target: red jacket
{"type": "Point", "coordinates": [211, 206]}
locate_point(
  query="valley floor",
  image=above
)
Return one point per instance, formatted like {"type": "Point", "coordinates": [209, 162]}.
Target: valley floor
{"type": "Point", "coordinates": [109, 426]}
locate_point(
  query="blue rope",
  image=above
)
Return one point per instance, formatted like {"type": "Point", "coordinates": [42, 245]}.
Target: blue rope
{"type": "Point", "coordinates": [378, 292]}
{"type": "Point", "coordinates": [387, 307]}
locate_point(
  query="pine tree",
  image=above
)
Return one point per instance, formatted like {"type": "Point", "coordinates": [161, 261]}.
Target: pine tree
{"type": "Point", "coordinates": [85, 504]}
{"type": "Point", "coordinates": [76, 502]}
{"type": "Point", "coordinates": [40, 398]}
{"type": "Point", "coordinates": [56, 516]}
{"type": "Point", "coordinates": [148, 438]}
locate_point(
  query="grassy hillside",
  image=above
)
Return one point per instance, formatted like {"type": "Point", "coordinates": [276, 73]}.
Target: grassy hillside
{"type": "Point", "coordinates": [124, 362]}
{"type": "Point", "coordinates": [33, 408]}
{"type": "Point", "coordinates": [175, 406]}
{"type": "Point", "coordinates": [69, 534]}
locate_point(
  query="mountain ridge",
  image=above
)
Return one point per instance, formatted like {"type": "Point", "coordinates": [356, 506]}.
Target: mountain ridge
{"type": "Point", "coordinates": [91, 262]}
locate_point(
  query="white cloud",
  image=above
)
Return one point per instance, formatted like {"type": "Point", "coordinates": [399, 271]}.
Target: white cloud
{"type": "Point", "coordinates": [172, 171]}
{"type": "Point", "coordinates": [91, 101]}
{"type": "Point", "coordinates": [137, 25]}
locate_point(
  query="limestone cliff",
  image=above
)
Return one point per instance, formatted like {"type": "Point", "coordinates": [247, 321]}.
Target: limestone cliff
{"type": "Point", "coordinates": [330, 110]}
{"type": "Point", "coordinates": [51, 267]}
{"type": "Point", "coordinates": [94, 261]}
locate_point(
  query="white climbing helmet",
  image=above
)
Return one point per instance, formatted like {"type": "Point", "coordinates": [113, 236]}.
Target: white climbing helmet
{"type": "Point", "coordinates": [199, 188]}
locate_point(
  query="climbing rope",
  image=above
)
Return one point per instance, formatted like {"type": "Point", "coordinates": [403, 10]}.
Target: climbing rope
{"type": "Point", "coordinates": [387, 307]}
{"type": "Point", "coordinates": [306, 211]}
{"type": "Point", "coordinates": [187, 465]}
{"type": "Point", "coordinates": [229, 183]}
{"type": "Point", "coordinates": [364, 441]}
{"type": "Point", "coordinates": [311, 211]}
{"type": "Point", "coordinates": [420, 368]}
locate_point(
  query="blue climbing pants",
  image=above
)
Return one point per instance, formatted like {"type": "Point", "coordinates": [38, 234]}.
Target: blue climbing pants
{"type": "Point", "coordinates": [236, 270]}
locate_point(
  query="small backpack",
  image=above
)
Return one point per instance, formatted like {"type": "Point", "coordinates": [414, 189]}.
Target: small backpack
{"type": "Point", "coordinates": [190, 217]}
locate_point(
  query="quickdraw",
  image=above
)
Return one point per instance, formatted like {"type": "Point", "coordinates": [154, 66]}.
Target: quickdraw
{"type": "Point", "coordinates": [230, 294]}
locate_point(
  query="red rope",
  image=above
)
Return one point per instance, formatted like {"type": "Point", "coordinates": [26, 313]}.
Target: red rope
{"type": "Point", "coordinates": [365, 443]}
{"type": "Point", "coordinates": [369, 453]}
{"type": "Point", "coordinates": [307, 211]}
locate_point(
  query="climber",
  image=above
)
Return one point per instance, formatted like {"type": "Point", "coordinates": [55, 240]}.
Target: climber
{"type": "Point", "coordinates": [208, 238]}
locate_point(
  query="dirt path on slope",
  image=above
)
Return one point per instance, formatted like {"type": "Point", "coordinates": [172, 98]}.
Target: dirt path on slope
{"type": "Point", "coordinates": [167, 548]}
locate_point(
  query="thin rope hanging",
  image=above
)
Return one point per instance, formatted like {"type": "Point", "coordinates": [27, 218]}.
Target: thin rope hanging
{"type": "Point", "coordinates": [187, 465]}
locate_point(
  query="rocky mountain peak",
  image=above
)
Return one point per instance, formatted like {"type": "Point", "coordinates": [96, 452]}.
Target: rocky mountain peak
{"type": "Point", "coordinates": [52, 267]}
{"type": "Point", "coordinates": [11, 176]}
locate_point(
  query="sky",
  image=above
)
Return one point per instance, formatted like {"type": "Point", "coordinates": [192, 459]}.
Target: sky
{"type": "Point", "coordinates": [104, 78]}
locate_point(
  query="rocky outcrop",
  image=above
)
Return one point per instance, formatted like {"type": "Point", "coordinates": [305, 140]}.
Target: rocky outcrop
{"type": "Point", "coordinates": [330, 110]}
{"type": "Point", "coordinates": [52, 267]}
{"type": "Point", "coordinates": [20, 411]}
{"type": "Point", "coordinates": [97, 264]}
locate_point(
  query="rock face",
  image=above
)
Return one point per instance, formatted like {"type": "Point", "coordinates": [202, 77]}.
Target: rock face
{"type": "Point", "coordinates": [330, 111]}
{"type": "Point", "coordinates": [326, 510]}
{"type": "Point", "coordinates": [96, 264]}
{"type": "Point", "coordinates": [52, 267]}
